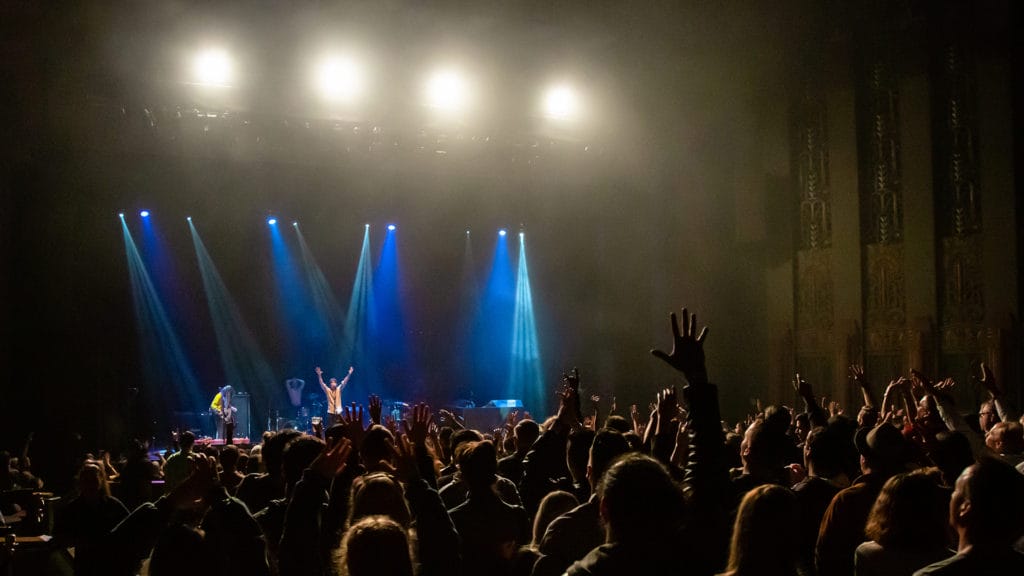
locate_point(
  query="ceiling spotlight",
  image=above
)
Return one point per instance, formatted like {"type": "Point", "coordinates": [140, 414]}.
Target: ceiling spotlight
{"type": "Point", "coordinates": [391, 227]}
{"type": "Point", "coordinates": [212, 67]}
{"type": "Point", "coordinates": [120, 215]}
{"type": "Point", "coordinates": [144, 213]}
{"type": "Point", "coordinates": [272, 221]}
{"type": "Point", "coordinates": [339, 79]}
{"type": "Point", "coordinates": [561, 102]}
{"type": "Point", "coordinates": [296, 224]}
{"type": "Point", "coordinates": [189, 218]}
{"type": "Point", "coordinates": [502, 232]}
{"type": "Point", "coordinates": [447, 91]}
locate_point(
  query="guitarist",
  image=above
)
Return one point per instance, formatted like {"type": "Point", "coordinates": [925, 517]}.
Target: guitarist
{"type": "Point", "coordinates": [221, 407]}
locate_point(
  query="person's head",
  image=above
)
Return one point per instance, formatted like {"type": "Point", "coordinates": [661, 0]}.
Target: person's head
{"type": "Point", "coordinates": [908, 514]}
{"type": "Point", "coordinates": [760, 449]}
{"type": "Point", "coordinates": [333, 383]}
{"type": "Point", "coordinates": [883, 450]}
{"type": "Point", "coordinates": [763, 541]}
{"type": "Point", "coordinates": [607, 446]}
{"type": "Point", "coordinates": [1005, 438]}
{"type": "Point", "coordinates": [867, 417]}
{"type": "Point", "coordinates": [951, 453]}
{"type": "Point", "coordinates": [186, 440]}
{"type": "Point", "coordinates": [298, 455]}
{"type": "Point", "coordinates": [821, 453]}
{"type": "Point", "coordinates": [802, 425]}
{"type": "Point", "coordinates": [378, 494]}
{"type": "Point", "coordinates": [552, 506]}
{"type": "Point", "coordinates": [227, 392]}
{"type": "Point", "coordinates": [577, 452]}
{"type": "Point", "coordinates": [987, 507]}
{"type": "Point", "coordinates": [478, 463]}
{"type": "Point", "coordinates": [639, 502]}
{"type": "Point", "coordinates": [243, 463]}
{"type": "Point", "coordinates": [377, 546]}
{"type": "Point", "coordinates": [378, 445]}
{"type": "Point", "coordinates": [461, 437]}
{"type": "Point", "coordinates": [92, 481]}
{"type": "Point", "coordinates": [988, 416]}
{"type": "Point", "coordinates": [618, 423]}
{"type": "Point", "coordinates": [634, 440]}
{"type": "Point", "coordinates": [777, 419]}
{"type": "Point", "coordinates": [229, 457]}
{"type": "Point", "coordinates": [526, 433]}
{"type": "Point", "coordinates": [273, 450]}
{"type": "Point", "coordinates": [928, 418]}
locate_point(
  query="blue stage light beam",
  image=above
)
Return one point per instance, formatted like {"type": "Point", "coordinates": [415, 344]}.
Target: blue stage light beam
{"type": "Point", "coordinates": [492, 334]}
{"type": "Point", "coordinates": [245, 367]}
{"type": "Point", "coordinates": [526, 378]}
{"type": "Point", "coordinates": [390, 337]}
{"type": "Point", "coordinates": [327, 307]}
{"type": "Point", "coordinates": [360, 322]}
{"type": "Point", "coordinates": [168, 379]}
{"type": "Point", "coordinates": [305, 331]}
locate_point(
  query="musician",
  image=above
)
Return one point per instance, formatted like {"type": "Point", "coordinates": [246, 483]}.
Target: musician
{"type": "Point", "coordinates": [333, 392]}
{"type": "Point", "coordinates": [224, 412]}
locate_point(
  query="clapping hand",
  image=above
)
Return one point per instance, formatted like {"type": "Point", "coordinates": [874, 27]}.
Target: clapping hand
{"type": "Point", "coordinates": [687, 355]}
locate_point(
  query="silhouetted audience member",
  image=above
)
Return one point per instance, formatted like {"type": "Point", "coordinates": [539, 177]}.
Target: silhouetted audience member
{"type": "Point", "coordinates": [761, 544]}
{"type": "Point", "coordinates": [87, 518]}
{"type": "Point", "coordinates": [377, 546]}
{"type": "Point", "coordinates": [987, 511]}
{"type": "Point", "coordinates": [906, 528]}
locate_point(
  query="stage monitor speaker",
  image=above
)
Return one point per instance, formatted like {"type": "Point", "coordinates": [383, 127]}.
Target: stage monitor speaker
{"type": "Point", "coordinates": [244, 415]}
{"type": "Point", "coordinates": [482, 419]}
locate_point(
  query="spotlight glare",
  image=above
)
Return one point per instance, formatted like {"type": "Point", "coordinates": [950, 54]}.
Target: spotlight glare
{"type": "Point", "coordinates": [391, 227]}
{"type": "Point", "coordinates": [189, 218]}
{"type": "Point", "coordinates": [212, 67]}
{"type": "Point", "coordinates": [339, 79]}
{"type": "Point", "coordinates": [272, 221]}
{"type": "Point", "coordinates": [561, 102]}
{"type": "Point", "coordinates": [120, 215]}
{"type": "Point", "coordinates": [144, 213]}
{"type": "Point", "coordinates": [296, 224]}
{"type": "Point", "coordinates": [446, 90]}
{"type": "Point", "coordinates": [502, 232]}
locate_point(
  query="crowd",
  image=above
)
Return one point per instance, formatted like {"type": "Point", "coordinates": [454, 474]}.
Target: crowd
{"type": "Point", "coordinates": [911, 485]}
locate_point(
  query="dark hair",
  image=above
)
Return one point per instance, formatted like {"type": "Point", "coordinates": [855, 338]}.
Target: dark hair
{"type": "Point", "coordinates": [619, 423]}
{"type": "Point", "coordinates": [607, 446]}
{"type": "Point", "coordinates": [577, 452]}
{"type": "Point", "coordinates": [463, 435]}
{"type": "Point", "coordinates": [378, 494]}
{"type": "Point", "coordinates": [761, 540]}
{"type": "Point", "coordinates": [229, 456]}
{"type": "Point", "coordinates": [298, 455]}
{"type": "Point", "coordinates": [377, 546]}
{"type": "Point", "coordinates": [273, 449]}
{"type": "Point", "coordinates": [478, 463]}
{"type": "Point", "coordinates": [639, 500]}
{"type": "Point", "coordinates": [378, 444]}
{"type": "Point", "coordinates": [909, 513]}
{"type": "Point", "coordinates": [996, 492]}
{"type": "Point", "coordinates": [951, 452]}
{"type": "Point", "coordinates": [822, 448]}
{"type": "Point", "coordinates": [526, 433]}
{"type": "Point", "coordinates": [186, 439]}
{"type": "Point", "coordinates": [551, 506]}
{"type": "Point", "coordinates": [181, 549]}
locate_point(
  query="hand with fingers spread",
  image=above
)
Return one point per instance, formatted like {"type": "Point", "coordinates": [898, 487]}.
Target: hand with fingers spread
{"type": "Point", "coordinates": [420, 427]}
{"type": "Point", "coordinates": [803, 388]}
{"type": "Point", "coordinates": [946, 385]}
{"type": "Point", "coordinates": [391, 424]}
{"type": "Point", "coordinates": [375, 407]}
{"type": "Point", "coordinates": [332, 460]}
{"type": "Point", "coordinates": [189, 493]}
{"type": "Point", "coordinates": [405, 460]}
{"type": "Point", "coordinates": [687, 355]}
{"type": "Point", "coordinates": [352, 419]}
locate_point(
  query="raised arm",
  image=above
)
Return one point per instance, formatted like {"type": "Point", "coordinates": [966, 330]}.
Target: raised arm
{"type": "Point", "coordinates": [320, 377]}
{"type": "Point", "coordinates": [344, 381]}
{"type": "Point", "coordinates": [857, 375]}
{"type": "Point", "coordinates": [1005, 409]}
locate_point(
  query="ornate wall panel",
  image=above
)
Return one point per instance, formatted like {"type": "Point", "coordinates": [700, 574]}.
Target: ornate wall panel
{"type": "Point", "coordinates": [960, 286]}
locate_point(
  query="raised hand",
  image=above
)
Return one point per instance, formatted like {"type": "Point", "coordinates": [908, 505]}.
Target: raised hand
{"type": "Point", "coordinates": [667, 404]}
{"type": "Point", "coordinates": [352, 418]}
{"type": "Point", "coordinates": [375, 407]}
{"type": "Point", "coordinates": [351, 370]}
{"type": "Point", "coordinates": [391, 424]}
{"type": "Point", "coordinates": [687, 355]}
{"type": "Point", "coordinates": [857, 374]}
{"type": "Point", "coordinates": [988, 380]}
{"type": "Point", "coordinates": [421, 422]}
{"type": "Point", "coordinates": [332, 460]}
{"type": "Point", "coordinates": [195, 487]}
{"type": "Point", "coordinates": [405, 460]}
{"type": "Point", "coordinates": [946, 385]}
{"type": "Point", "coordinates": [801, 387]}
{"type": "Point", "coordinates": [318, 371]}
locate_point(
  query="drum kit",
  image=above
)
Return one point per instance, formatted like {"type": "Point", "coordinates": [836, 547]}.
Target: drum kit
{"type": "Point", "coordinates": [315, 412]}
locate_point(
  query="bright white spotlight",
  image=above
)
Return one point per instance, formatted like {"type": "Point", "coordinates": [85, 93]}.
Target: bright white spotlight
{"type": "Point", "coordinates": [561, 102]}
{"type": "Point", "coordinates": [120, 215]}
{"type": "Point", "coordinates": [391, 227]}
{"type": "Point", "coordinates": [447, 90]}
{"type": "Point", "coordinates": [522, 235]}
{"type": "Point", "coordinates": [212, 68]}
{"type": "Point", "coordinates": [144, 213]}
{"type": "Point", "coordinates": [296, 224]}
{"type": "Point", "coordinates": [339, 79]}
{"type": "Point", "coordinates": [189, 218]}
{"type": "Point", "coordinates": [272, 221]}
{"type": "Point", "coordinates": [501, 232]}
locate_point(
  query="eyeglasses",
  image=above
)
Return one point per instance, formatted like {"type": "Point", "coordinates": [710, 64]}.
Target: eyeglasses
{"type": "Point", "coordinates": [986, 414]}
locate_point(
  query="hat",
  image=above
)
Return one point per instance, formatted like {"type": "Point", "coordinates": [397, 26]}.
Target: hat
{"type": "Point", "coordinates": [883, 445]}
